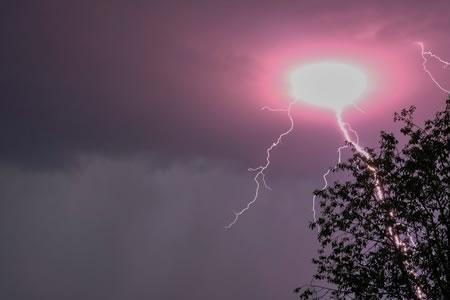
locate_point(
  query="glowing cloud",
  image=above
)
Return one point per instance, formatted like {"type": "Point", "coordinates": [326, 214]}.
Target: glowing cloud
{"type": "Point", "coordinates": [328, 84]}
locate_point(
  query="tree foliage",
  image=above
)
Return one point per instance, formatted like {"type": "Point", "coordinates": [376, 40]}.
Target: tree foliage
{"type": "Point", "coordinates": [358, 258]}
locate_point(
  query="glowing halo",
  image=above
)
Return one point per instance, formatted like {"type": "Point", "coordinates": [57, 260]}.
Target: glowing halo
{"type": "Point", "coordinates": [328, 84]}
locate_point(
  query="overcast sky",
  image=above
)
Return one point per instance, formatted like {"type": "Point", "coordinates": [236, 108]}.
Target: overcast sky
{"type": "Point", "coordinates": [127, 128]}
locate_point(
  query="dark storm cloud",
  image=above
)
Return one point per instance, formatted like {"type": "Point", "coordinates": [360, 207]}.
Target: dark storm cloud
{"type": "Point", "coordinates": [124, 78]}
{"type": "Point", "coordinates": [120, 230]}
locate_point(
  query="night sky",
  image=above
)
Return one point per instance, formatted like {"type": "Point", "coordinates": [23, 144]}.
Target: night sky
{"type": "Point", "coordinates": [127, 128]}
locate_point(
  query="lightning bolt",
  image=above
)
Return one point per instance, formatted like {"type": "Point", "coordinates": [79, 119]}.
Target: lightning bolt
{"type": "Point", "coordinates": [325, 175]}
{"type": "Point", "coordinates": [260, 176]}
{"type": "Point", "coordinates": [325, 180]}
{"type": "Point", "coordinates": [346, 130]}
{"type": "Point", "coordinates": [425, 54]}
{"type": "Point", "coordinates": [398, 242]}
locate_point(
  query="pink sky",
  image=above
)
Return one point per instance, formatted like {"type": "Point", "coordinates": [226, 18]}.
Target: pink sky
{"type": "Point", "coordinates": [128, 127]}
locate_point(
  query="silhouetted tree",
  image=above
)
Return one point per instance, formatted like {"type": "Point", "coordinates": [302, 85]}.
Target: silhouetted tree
{"type": "Point", "coordinates": [358, 257]}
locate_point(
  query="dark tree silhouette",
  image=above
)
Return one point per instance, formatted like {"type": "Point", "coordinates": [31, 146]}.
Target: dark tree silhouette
{"type": "Point", "coordinates": [358, 257]}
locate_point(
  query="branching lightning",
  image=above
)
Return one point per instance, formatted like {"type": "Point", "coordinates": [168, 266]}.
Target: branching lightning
{"type": "Point", "coordinates": [325, 180]}
{"type": "Point", "coordinates": [325, 175]}
{"type": "Point", "coordinates": [425, 55]}
{"type": "Point", "coordinates": [260, 176]}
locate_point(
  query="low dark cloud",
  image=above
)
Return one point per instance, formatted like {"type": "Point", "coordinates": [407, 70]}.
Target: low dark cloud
{"type": "Point", "coordinates": [122, 230]}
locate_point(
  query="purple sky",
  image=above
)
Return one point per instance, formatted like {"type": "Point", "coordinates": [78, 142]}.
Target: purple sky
{"type": "Point", "coordinates": [128, 126]}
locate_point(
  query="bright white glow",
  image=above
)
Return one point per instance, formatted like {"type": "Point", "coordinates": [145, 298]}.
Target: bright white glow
{"type": "Point", "coordinates": [328, 84]}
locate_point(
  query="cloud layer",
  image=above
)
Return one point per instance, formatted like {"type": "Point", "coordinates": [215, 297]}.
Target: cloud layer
{"type": "Point", "coordinates": [176, 80]}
